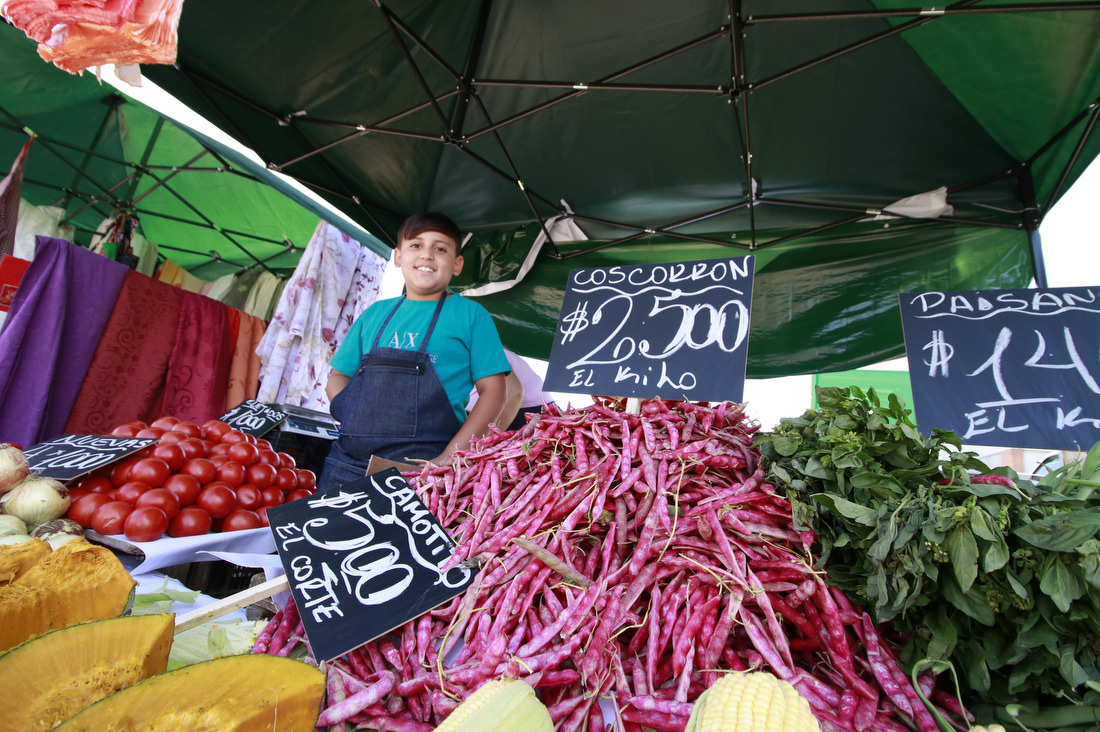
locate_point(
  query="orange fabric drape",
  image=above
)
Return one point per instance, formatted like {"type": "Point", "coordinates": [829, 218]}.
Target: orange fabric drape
{"type": "Point", "coordinates": [244, 368]}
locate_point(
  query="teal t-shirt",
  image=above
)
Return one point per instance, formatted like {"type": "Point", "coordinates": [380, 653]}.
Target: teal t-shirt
{"type": "Point", "coordinates": [464, 346]}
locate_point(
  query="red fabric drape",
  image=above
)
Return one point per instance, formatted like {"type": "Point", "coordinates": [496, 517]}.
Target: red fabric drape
{"type": "Point", "coordinates": [198, 368]}
{"type": "Point", "coordinates": [125, 380]}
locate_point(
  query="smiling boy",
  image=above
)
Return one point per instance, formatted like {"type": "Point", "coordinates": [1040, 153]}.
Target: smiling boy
{"type": "Point", "coordinates": [402, 376]}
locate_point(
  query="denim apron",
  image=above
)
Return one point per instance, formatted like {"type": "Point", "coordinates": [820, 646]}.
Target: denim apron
{"type": "Point", "coordinates": [394, 407]}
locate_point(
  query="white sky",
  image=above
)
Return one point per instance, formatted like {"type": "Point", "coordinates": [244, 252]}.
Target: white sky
{"type": "Point", "coordinates": [1071, 250]}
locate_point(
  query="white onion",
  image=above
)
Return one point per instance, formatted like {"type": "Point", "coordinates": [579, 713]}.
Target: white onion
{"type": "Point", "coordinates": [11, 525]}
{"type": "Point", "coordinates": [36, 500]}
{"type": "Point", "coordinates": [13, 466]}
{"type": "Point", "coordinates": [14, 539]}
{"type": "Point", "coordinates": [58, 532]}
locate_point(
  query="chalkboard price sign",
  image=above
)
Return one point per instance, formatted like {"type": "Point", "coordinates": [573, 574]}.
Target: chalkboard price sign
{"type": "Point", "coordinates": [253, 417]}
{"type": "Point", "coordinates": [1012, 368]}
{"type": "Point", "coordinates": [70, 456]}
{"type": "Point", "coordinates": [363, 559]}
{"type": "Point", "coordinates": [678, 331]}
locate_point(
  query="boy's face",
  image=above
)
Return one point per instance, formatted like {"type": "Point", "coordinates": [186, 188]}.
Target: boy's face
{"type": "Point", "coordinates": [428, 261]}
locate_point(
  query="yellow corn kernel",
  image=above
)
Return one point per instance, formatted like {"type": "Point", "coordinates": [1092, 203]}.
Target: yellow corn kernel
{"type": "Point", "coordinates": [751, 702]}
{"type": "Point", "coordinates": [502, 705]}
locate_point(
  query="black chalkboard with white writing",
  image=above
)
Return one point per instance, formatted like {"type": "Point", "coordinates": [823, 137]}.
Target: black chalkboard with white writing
{"type": "Point", "coordinates": [70, 456]}
{"type": "Point", "coordinates": [678, 331]}
{"type": "Point", "coordinates": [1012, 368]}
{"type": "Point", "coordinates": [363, 559]}
{"type": "Point", "coordinates": [253, 417]}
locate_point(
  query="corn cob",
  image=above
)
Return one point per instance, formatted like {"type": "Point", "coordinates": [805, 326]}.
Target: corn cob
{"type": "Point", "coordinates": [503, 705]}
{"type": "Point", "coordinates": [751, 702]}
{"type": "Point", "coordinates": [990, 728]}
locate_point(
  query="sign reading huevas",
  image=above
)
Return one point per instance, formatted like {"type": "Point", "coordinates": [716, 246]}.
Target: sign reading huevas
{"type": "Point", "coordinates": [363, 559]}
{"type": "Point", "coordinates": [678, 331]}
{"type": "Point", "coordinates": [70, 456]}
{"type": "Point", "coordinates": [1013, 368]}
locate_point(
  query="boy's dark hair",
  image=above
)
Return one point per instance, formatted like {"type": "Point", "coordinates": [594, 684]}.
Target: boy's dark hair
{"type": "Point", "coordinates": [417, 224]}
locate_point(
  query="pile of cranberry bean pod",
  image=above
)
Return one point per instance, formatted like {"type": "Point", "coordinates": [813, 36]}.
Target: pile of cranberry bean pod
{"type": "Point", "coordinates": [626, 557]}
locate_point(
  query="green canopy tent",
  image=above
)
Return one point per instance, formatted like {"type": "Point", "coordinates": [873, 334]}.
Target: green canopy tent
{"type": "Point", "coordinates": [97, 153]}
{"type": "Point", "coordinates": [676, 131]}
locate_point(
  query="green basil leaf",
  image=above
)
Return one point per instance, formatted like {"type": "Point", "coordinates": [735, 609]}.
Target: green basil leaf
{"type": "Point", "coordinates": [944, 635]}
{"type": "Point", "coordinates": [815, 469]}
{"type": "Point", "coordinates": [974, 603]}
{"type": "Point", "coordinates": [996, 555]}
{"type": "Point", "coordinates": [1071, 671]}
{"type": "Point", "coordinates": [1060, 583]}
{"type": "Point", "coordinates": [1061, 532]}
{"type": "Point", "coordinates": [879, 483]}
{"type": "Point", "coordinates": [788, 445]}
{"type": "Point", "coordinates": [848, 509]}
{"type": "Point", "coordinates": [1017, 586]}
{"type": "Point", "coordinates": [1090, 567]}
{"type": "Point", "coordinates": [886, 534]}
{"type": "Point", "coordinates": [963, 550]}
{"type": "Point", "coordinates": [981, 523]}
{"type": "Point", "coordinates": [1001, 649]}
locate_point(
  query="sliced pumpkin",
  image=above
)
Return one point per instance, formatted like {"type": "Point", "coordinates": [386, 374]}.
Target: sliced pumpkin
{"type": "Point", "coordinates": [77, 582]}
{"type": "Point", "coordinates": [60, 673]}
{"type": "Point", "coordinates": [16, 559]}
{"type": "Point", "coordinates": [246, 693]}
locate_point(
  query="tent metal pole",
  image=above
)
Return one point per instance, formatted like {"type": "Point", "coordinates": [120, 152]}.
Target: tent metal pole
{"type": "Point", "coordinates": [113, 102]}
{"type": "Point", "coordinates": [458, 118]}
{"type": "Point", "coordinates": [202, 216]}
{"type": "Point", "coordinates": [1072, 161]}
{"type": "Point", "coordinates": [658, 230]}
{"type": "Point", "coordinates": [740, 99]}
{"type": "Point", "coordinates": [378, 126]}
{"type": "Point", "coordinates": [145, 155]}
{"type": "Point", "coordinates": [422, 44]}
{"type": "Point", "coordinates": [721, 31]}
{"type": "Point", "coordinates": [202, 225]}
{"type": "Point", "coordinates": [1037, 257]}
{"type": "Point", "coordinates": [1063, 132]}
{"type": "Point", "coordinates": [161, 181]}
{"type": "Point", "coordinates": [909, 12]}
{"type": "Point", "coordinates": [602, 86]}
{"type": "Point", "coordinates": [387, 16]}
{"type": "Point", "coordinates": [190, 77]}
{"type": "Point", "coordinates": [91, 201]}
{"type": "Point", "coordinates": [849, 48]}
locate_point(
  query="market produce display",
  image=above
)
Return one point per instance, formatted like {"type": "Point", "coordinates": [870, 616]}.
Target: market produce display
{"type": "Point", "coordinates": [995, 575]}
{"type": "Point", "coordinates": [631, 558]}
{"type": "Point", "coordinates": [73, 584]}
{"type": "Point", "coordinates": [65, 670]}
{"type": "Point", "coordinates": [746, 702]}
{"type": "Point", "coordinates": [195, 480]}
{"type": "Point", "coordinates": [233, 694]}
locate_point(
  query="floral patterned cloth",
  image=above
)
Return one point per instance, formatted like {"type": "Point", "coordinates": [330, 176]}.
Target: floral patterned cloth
{"type": "Point", "coordinates": [336, 280]}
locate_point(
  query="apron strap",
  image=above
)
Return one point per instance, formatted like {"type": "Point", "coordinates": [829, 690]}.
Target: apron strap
{"type": "Point", "coordinates": [431, 325]}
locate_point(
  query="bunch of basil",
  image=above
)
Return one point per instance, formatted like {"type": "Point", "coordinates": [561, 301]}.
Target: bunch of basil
{"type": "Point", "coordinates": [1001, 580]}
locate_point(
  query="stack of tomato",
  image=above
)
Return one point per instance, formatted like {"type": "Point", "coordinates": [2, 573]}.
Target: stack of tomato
{"type": "Point", "coordinates": [195, 480]}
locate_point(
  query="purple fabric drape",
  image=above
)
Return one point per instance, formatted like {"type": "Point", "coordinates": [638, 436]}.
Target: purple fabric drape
{"type": "Point", "coordinates": [50, 336]}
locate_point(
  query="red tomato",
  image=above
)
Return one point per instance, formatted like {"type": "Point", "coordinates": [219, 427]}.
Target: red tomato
{"type": "Point", "coordinates": [145, 524]}
{"type": "Point", "coordinates": [171, 438]}
{"type": "Point", "coordinates": [306, 479]}
{"type": "Point", "coordinates": [77, 492]}
{"type": "Point", "coordinates": [268, 457]}
{"type": "Point", "coordinates": [190, 521]}
{"type": "Point", "coordinates": [262, 513]}
{"type": "Point", "coordinates": [161, 498]}
{"type": "Point", "coordinates": [217, 500]}
{"type": "Point", "coordinates": [151, 471]}
{"type": "Point", "coordinates": [233, 436]}
{"type": "Point", "coordinates": [185, 487]}
{"type": "Point", "coordinates": [171, 454]}
{"type": "Point", "coordinates": [249, 496]}
{"type": "Point", "coordinates": [286, 479]}
{"type": "Point", "coordinates": [231, 472]}
{"type": "Point", "coordinates": [294, 495]}
{"type": "Point", "coordinates": [165, 422]}
{"type": "Point", "coordinates": [263, 444]}
{"type": "Point", "coordinates": [110, 517]}
{"type": "Point", "coordinates": [260, 475]}
{"type": "Point", "coordinates": [125, 430]}
{"type": "Point", "coordinates": [130, 492]}
{"type": "Point", "coordinates": [243, 452]}
{"type": "Point", "coordinates": [220, 448]}
{"type": "Point", "coordinates": [81, 511]}
{"type": "Point", "coordinates": [201, 469]}
{"type": "Point", "coordinates": [242, 519]}
{"type": "Point", "coordinates": [120, 474]}
{"type": "Point", "coordinates": [97, 484]}
{"type": "Point", "coordinates": [188, 428]}
{"type": "Point", "coordinates": [286, 460]}
{"type": "Point", "coordinates": [193, 448]}
{"type": "Point", "coordinates": [272, 496]}
{"type": "Point", "coordinates": [155, 432]}
{"type": "Point", "coordinates": [213, 429]}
